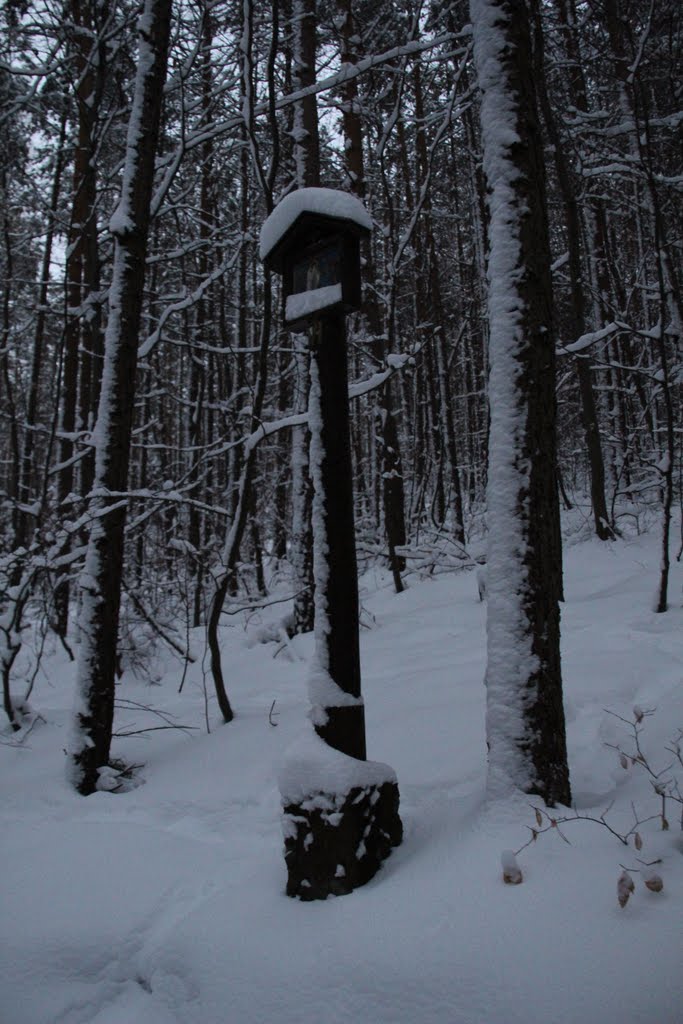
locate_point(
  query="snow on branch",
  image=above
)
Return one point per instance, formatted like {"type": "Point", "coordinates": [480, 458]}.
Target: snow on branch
{"type": "Point", "coordinates": [332, 82]}
{"type": "Point", "coordinates": [396, 362]}
{"type": "Point", "coordinates": [186, 303]}
{"type": "Point", "coordinates": [586, 340]}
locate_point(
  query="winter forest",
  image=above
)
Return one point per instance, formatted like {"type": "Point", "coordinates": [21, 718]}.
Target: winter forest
{"type": "Point", "coordinates": [515, 379]}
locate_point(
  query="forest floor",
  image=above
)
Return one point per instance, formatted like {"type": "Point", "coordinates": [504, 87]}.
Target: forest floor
{"type": "Point", "coordinates": [165, 904]}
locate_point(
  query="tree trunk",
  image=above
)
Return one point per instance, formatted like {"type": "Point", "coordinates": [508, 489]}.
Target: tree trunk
{"type": "Point", "coordinates": [82, 321]}
{"type": "Point", "coordinates": [307, 163]}
{"type": "Point", "coordinates": [243, 499]}
{"type": "Point", "coordinates": [101, 579]}
{"type": "Point", "coordinates": [525, 716]}
{"type": "Point", "coordinates": [27, 480]}
{"type": "Point", "coordinates": [387, 443]}
{"type": "Point", "coordinates": [577, 317]}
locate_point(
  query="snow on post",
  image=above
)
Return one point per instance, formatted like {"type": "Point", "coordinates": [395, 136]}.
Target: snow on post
{"type": "Point", "coordinates": [327, 202]}
{"type": "Point", "coordinates": [312, 238]}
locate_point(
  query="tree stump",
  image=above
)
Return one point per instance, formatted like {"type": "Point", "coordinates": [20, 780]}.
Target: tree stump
{"type": "Point", "coordinates": [341, 820]}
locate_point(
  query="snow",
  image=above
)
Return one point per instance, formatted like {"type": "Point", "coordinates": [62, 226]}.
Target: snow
{"type": "Point", "coordinates": [166, 904]}
{"type": "Point", "coordinates": [330, 202]}
{"type": "Point", "coordinates": [305, 303]}
{"type": "Point", "coordinates": [324, 692]}
{"type": "Point", "coordinates": [586, 340]}
{"type": "Point", "coordinates": [664, 464]}
{"type": "Point", "coordinates": [319, 518]}
{"type": "Point", "coordinates": [524, 715]}
{"type": "Point", "coordinates": [397, 360]}
{"type": "Point", "coordinates": [512, 873]}
{"type": "Point", "coordinates": [124, 221]}
{"type": "Point", "coordinates": [120, 222]}
{"type": "Point", "coordinates": [511, 658]}
{"type": "Point", "coordinates": [312, 768]}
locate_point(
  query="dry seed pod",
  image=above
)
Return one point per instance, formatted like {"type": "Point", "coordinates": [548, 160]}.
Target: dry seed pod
{"type": "Point", "coordinates": [625, 887]}
{"type": "Point", "coordinates": [653, 881]}
{"type": "Point", "coordinates": [638, 841]}
{"type": "Point", "coordinates": [539, 819]}
{"type": "Point", "coordinates": [512, 873]}
{"type": "Point", "coordinates": [623, 760]}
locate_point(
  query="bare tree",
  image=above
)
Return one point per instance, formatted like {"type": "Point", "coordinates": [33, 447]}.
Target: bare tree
{"type": "Point", "coordinates": [101, 579]}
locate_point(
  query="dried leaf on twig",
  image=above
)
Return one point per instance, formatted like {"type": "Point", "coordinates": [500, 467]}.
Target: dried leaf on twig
{"type": "Point", "coordinates": [625, 887]}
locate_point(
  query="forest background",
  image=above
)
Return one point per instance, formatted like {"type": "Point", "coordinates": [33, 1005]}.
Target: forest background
{"type": "Point", "coordinates": [379, 99]}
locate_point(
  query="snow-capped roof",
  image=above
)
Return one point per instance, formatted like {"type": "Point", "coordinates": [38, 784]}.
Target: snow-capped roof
{"type": "Point", "coordinates": [328, 202]}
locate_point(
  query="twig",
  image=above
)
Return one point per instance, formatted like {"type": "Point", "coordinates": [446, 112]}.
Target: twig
{"type": "Point", "coordinates": [152, 728]}
{"type": "Point", "coordinates": [173, 644]}
{"type": "Point", "coordinates": [21, 740]}
{"type": "Point", "coordinates": [257, 606]}
{"type": "Point", "coordinates": [554, 823]}
{"type": "Point", "coordinates": [125, 704]}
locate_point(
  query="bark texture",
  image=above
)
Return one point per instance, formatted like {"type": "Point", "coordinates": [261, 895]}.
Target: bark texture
{"type": "Point", "coordinates": [336, 843]}
{"type": "Point", "coordinates": [101, 581]}
{"type": "Point", "coordinates": [334, 540]}
{"type": "Point", "coordinates": [525, 716]}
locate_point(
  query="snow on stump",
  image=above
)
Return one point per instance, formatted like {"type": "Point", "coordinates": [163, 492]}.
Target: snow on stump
{"type": "Point", "coordinates": [341, 819]}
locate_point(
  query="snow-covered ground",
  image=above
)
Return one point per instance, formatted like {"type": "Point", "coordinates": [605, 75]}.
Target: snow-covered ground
{"type": "Point", "coordinates": [166, 904]}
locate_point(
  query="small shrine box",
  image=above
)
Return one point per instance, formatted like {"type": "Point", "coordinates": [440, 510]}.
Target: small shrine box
{"type": "Point", "coordinates": [312, 238]}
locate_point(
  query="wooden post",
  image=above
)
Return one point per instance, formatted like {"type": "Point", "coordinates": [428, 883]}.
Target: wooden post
{"type": "Point", "coordinates": [344, 821]}
{"type": "Point", "coordinates": [337, 646]}
{"type": "Point", "coordinates": [340, 811]}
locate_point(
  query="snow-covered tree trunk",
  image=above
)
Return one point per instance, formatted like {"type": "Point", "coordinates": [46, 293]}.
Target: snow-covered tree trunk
{"type": "Point", "coordinates": [525, 716]}
{"type": "Point", "coordinates": [307, 164]}
{"type": "Point", "coordinates": [101, 579]}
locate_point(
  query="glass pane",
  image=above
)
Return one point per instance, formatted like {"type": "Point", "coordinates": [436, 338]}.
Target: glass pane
{"type": "Point", "coordinates": [320, 269]}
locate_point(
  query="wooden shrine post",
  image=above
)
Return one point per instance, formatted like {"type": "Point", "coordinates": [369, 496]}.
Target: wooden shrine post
{"type": "Point", "coordinates": [341, 811]}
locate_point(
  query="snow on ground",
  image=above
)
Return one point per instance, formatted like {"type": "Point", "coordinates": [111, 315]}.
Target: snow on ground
{"type": "Point", "coordinates": [166, 904]}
